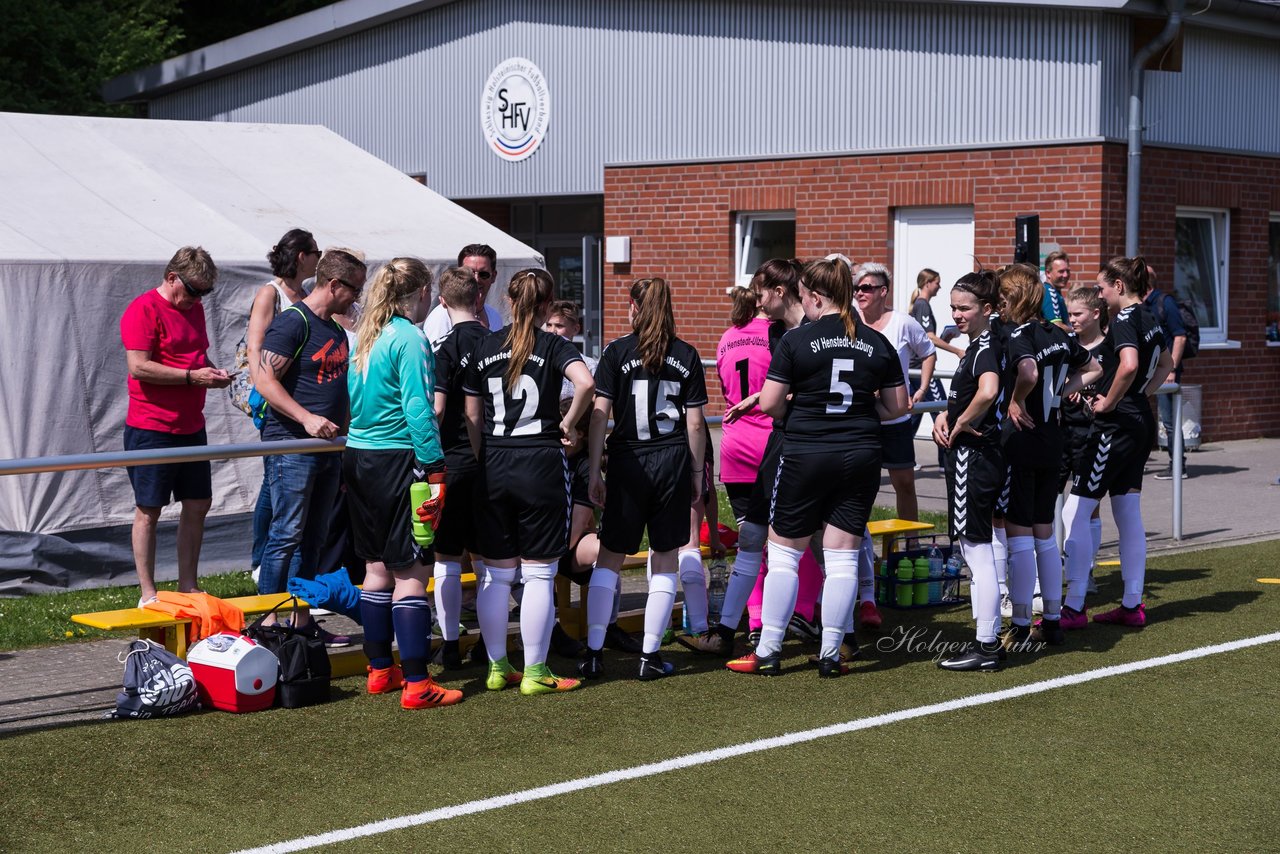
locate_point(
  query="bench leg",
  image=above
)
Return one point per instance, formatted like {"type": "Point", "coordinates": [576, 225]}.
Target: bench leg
{"type": "Point", "coordinates": [172, 638]}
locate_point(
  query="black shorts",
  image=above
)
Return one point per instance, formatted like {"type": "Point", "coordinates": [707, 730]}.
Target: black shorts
{"type": "Point", "coordinates": [739, 499]}
{"type": "Point", "coordinates": [580, 479]}
{"type": "Point", "coordinates": [834, 487]}
{"type": "Point", "coordinates": [647, 489]}
{"type": "Point", "coordinates": [1002, 499]}
{"type": "Point", "coordinates": [523, 506]}
{"type": "Point", "coordinates": [456, 532]}
{"type": "Point", "coordinates": [975, 477]}
{"type": "Point", "coordinates": [758, 508]}
{"type": "Point", "coordinates": [898, 443]}
{"type": "Point", "coordinates": [1075, 440]}
{"type": "Point", "coordinates": [1113, 458]}
{"type": "Point", "coordinates": [1033, 492]}
{"type": "Point", "coordinates": [156, 485]}
{"type": "Point", "coordinates": [378, 504]}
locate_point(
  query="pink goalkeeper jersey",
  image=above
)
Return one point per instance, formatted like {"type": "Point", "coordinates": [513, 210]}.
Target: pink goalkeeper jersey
{"type": "Point", "coordinates": [742, 360]}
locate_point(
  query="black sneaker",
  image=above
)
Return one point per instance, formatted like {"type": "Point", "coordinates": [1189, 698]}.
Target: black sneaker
{"type": "Point", "coordinates": [450, 657]}
{"type": "Point", "coordinates": [830, 668]}
{"type": "Point", "coordinates": [803, 630]}
{"type": "Point", "coordinates": [1016, 638]}
{"type": "Point", "coordinates": [1049, 631]}
{"type": "Point", "coordinates": [617, 639]}
{"type": "Point", "coordinates": [592, 666]}
{"type": "Point", "coordinates": [981, 657]}
{"type": "Point", "coordinates": [653, 667]}
{"type": "Point", "coordinates": [753, 639]}
{"type": "Point", "coordinates": [563, 645]}
{"type": "Point", "coordinates": [478, 654]}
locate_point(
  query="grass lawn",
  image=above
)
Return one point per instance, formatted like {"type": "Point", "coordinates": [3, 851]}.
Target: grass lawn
{"type": "Point", "coordinates": [1182, 757]}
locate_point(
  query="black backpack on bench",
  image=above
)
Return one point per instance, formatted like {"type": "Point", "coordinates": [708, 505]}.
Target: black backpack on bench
{"type": "Point", "coordinates": [304, 662]}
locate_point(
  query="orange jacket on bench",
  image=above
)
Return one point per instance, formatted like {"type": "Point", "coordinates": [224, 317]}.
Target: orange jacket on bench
{"type": "Point", "coordinates": [208, 614]}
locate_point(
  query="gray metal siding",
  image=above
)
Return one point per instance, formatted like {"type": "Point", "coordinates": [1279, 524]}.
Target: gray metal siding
{"type": "Point", "coordinates": [666, 80]}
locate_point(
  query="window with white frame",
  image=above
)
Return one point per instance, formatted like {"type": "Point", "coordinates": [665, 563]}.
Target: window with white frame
{"type": "Point", "coordinates": [760, 236]}
{"type": "Point", "coordinates": [1273, 280]}
{"type": "Point", "coordinates": [1200, 268]}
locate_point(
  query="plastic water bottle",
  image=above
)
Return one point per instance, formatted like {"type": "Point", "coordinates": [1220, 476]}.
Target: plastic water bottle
{"type": "Point", "coordinates": [717, 580]}
{"type": "Point", "coordinates": [423, 535]}
{"type": "Point", "coordinates": [951, 588]}
{"type": "Point", "coordinates": [902, 592]}
{"type": "Point", "coordinates": [935, 575]}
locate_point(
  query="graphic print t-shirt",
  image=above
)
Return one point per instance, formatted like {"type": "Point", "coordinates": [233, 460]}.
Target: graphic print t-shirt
{"type": "Point", "coordinates": [1056, 355]}
{"type": "Point", "coordinates": [527, 416]}
{"type": "Point", "coordinates": [453, 354]}
{"type": "Point", "coordinates": [984, 356]}
{"type": "Point", "coordinates": [1133, 327]}
{"type": "Point", "coordinates": [742, 360]}
{"type": "Point", "coordinates": [649, 409]}
{"type": "Point", "coordinates": [317, 378]}
{"type": "Point", "coordinates": [833, 383]}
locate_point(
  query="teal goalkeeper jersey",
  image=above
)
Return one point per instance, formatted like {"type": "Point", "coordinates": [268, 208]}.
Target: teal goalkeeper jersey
{"type": "Point", "coordinates": [392, 397]}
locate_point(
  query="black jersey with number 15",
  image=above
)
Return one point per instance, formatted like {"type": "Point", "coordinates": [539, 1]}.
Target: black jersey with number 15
{"type": "Point", "coordinates": [834, 381]}
{"type": "Point", "coordinates": [528, 415]}
{"type": "Point", "coordinates": [648, 409]}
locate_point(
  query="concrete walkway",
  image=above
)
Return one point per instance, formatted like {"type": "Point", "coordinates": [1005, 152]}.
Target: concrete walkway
{"type": "Point", "coordinates": [1231, 496]}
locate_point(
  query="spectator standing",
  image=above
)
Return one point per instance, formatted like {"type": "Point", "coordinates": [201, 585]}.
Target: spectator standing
{"type": "Point", "coordinates": [1057, 283]}
{"type": "Point", "coordinates": [928, 283]}
{"type": "Point", "coordinates": [166, 347]}
{"type": "Point", "coordinates": [1164, 308]}
{"type": "Point", "coordinates": [482, 261]}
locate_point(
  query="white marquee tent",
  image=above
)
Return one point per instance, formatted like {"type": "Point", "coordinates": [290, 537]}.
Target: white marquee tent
{"type": "Point", "coordinates": [91, 211]}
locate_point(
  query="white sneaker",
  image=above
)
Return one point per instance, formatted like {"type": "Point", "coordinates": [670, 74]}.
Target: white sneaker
{"type": "Point", "coordinates": [1006, 606]}
{"type": "Point", "coordinates": [1037, 604]}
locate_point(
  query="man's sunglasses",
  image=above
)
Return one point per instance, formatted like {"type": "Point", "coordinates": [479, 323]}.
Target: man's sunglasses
{"type": "Point", "coordinates": [195, 294]}
{"type": "Point", "coordinates": [483, 275]}
{"type": "Point", "coordinates": [351, 287]}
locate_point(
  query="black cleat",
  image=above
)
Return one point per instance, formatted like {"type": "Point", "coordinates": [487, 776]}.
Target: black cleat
{"type": "Point", "coordinates": [617, 639]}
{"type": "Point", "coordinates": [563, 645]}
{"type": "Point", "coordinates": [450, 657]}
{"type": "Point", "coordinates": [830, 668]}
{"type": "Point", "coordinates": [592, 666]}
{"type": "Point", "coordinates": [653, 667]}
{"type": "Point", "coordinates": [1050, 632]}
{"type": "Point", "coordinates": [981, 657]}
{"type": "Point", "coordinates": [1016, 639]}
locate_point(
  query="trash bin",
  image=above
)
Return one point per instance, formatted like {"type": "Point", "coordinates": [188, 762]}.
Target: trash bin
{"type": "Point", "coordinates": [1190, 420]}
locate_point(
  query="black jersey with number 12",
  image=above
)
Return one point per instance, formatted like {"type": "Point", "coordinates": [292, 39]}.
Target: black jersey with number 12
{"type": "Point", "coordinates": [529, 414]}
{"type": "Point", "coordinates": [649, 409]}
{"type": "Point", "coordinates": [833, 381]}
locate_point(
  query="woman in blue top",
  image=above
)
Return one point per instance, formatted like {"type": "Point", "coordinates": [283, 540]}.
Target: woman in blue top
{"type": "Point", "coordinates": [394, 443]}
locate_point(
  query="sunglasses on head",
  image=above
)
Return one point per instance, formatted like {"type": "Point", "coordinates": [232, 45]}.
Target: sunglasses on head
{"type": "Point", "coordinates": [195, 294]}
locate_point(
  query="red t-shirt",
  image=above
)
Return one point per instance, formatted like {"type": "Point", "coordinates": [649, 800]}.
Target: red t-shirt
{"type": "Point", "coordinates": [175, 339]}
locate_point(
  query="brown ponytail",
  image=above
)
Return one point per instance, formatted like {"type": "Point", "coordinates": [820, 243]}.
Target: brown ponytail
{"type": "Point", "coordinates": [1023, 294]}
{"type": "Point", "coordinates": [654, 322]}
{"type": "Point", "coordinates": [528, 290]}
{"type": "Point", "coordinates": [1131, 272]}
{"type": "Point", "coordinates": [833, 281]}
{"type": "Point", "coordinates": [746, 303]}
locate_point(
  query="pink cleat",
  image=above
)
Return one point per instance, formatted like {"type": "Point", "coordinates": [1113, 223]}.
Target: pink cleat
{"type": "Point", "coordinates": [1134, 618]}
{"type": "Point", "coordinates": [1073, 619]}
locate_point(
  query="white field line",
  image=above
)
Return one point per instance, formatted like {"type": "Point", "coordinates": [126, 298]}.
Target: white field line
{"type": "Point", "coordinates": [721, 753]}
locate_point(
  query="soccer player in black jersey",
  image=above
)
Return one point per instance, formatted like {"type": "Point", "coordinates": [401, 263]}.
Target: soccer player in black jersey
{"type": "Point", "coordinates": [969, 430]}
{"type": "Point", "coordinates": [653, 385]}
{"type": "Point", "coordinates": [523, 506]}
{"type": "Point", "coordinates": [1122, 435]}
{"type": "Point", "coordinates": [1043, 364]}
{"type": "Point", "coordinates": [844, 379]}
{"type": "Point", "coordinates": [456, 531]}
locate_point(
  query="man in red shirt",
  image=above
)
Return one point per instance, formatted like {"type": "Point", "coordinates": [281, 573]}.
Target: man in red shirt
{"type": "Point", "coordinates": [166, 346]}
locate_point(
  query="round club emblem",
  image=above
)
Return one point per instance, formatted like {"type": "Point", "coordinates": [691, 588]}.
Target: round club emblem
{"type": "Point", "coordinates": [515, 108]}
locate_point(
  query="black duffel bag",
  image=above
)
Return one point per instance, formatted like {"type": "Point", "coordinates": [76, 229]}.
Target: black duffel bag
{"type": "Point", "coordinates": [304, 662]}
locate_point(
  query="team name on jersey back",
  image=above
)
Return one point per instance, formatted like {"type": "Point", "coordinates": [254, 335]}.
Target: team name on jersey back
{"type": "Point", "coordinates": [650, 409]}
{"type": "Point", "coordinates": [526, 413]}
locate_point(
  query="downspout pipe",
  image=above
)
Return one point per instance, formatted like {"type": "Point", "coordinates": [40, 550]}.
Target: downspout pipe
{"type": "Point", "coordinates": [1136, 80]}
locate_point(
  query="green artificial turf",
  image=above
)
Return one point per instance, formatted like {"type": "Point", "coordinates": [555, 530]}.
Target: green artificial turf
{"type": "Point", "coordinates": [1183, 757]}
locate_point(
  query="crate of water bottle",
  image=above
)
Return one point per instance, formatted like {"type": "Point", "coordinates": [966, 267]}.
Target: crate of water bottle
{"type": "Point", "coordinates": [928, 574]}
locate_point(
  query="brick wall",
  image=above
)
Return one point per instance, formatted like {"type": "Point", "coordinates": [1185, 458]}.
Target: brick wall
{"type": "Point", "coordinates": [680, 219]}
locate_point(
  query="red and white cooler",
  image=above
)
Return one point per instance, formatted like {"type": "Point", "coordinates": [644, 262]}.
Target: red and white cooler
{"type": "Point", "coordinates": [233, 673]}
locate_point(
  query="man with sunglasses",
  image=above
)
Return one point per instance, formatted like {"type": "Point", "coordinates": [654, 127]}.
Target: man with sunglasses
{"type": "Point", "coordinates": [166, 348]}
{"type": "Point", "coordinates": [482, 261]}
{"type": "Point", "coordinates": [302, 374]}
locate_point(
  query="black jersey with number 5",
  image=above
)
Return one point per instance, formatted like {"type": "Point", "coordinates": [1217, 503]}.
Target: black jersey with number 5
{"type": "Point", "coordinates": [1056, 355]}
{"type": "Point", "coordinates": [648, 409]}
{"type": "Point", "coordinates": [1133, 327]}
{"type": "Point", "coordinates": [528, 415]}
{"type": "Point", "coordinates": [984, 356]}
{"type": "Point", "coordinates": [833, 381]}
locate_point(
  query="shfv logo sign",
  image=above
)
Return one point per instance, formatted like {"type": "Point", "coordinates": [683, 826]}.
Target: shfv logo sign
{"type": "Point", "coordinates": [515, 109]}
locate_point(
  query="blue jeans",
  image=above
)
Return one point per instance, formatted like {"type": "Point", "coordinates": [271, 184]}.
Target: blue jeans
{"type": "Point", "coordinates": [1164, 405]}
{"type": "Point", "coordinates": [261, 518]}
{"type": "Point", "coordinates": [304, 488]}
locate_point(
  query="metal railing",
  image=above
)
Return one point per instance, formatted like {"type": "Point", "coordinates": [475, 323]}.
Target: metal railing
{"type": "Point", "coordinates": [199, 453]}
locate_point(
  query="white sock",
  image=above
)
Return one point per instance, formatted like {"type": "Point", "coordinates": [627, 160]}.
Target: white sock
{"type": "Point", "coordinates": [1075, 518]}
{"type": "Point", "coordinates": [866, 569]}
{"type": "Point", "coordinates": [1095, 534]}
{"type": "Point", "coordinates": [781, 586]}
{"type": "Point", "coordinates": [1000, 551]}
{"type": "Point", "coordinates": [1022, 577]}
{"type": "Point", "coordinates": [1049, 568]}
{"type": "Point", "coordinates": [448, 596]}
{"type": "Point", "coordinates": [693, 581]}
{"type": "Point", "coordinates": [1127, 512]}
{"type": "Point", "coordinates": [746, 568]}
{"type": "Point", "coordinates": [493, 611]}
{"type": "Point", "coordinates": [537, 609]}
{"type": "Point", "coordinates": [983, 589]}
{"type": "Point", "coordinates": [601, 595]}
{"type": "Point", "coordinates": [839, 592]}
{"type": "Point", "coordinates": [657, 609]}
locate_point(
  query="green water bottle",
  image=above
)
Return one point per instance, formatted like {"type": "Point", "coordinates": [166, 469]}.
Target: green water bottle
{"type": "Point", "coordinates": [423, 535]}
{"type": "Point", "coordinates": [920, 587]}
{"type": "Point", "coordinates": [903, 593]}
